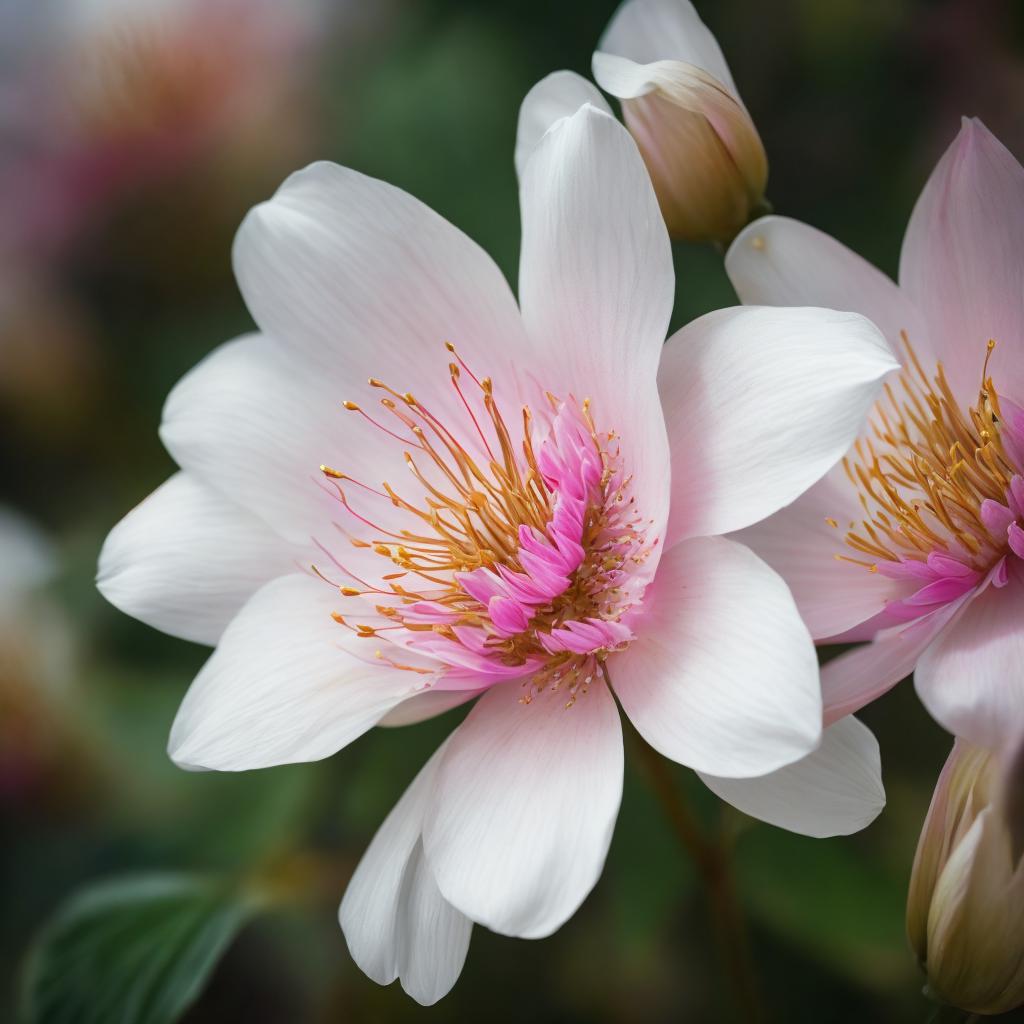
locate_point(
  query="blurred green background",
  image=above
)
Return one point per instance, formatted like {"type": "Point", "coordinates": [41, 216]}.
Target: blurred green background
{"type": "Point", "coordinates": [120, 197]}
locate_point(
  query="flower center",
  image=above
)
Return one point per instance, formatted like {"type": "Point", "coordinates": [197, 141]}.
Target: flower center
{"type": "Point", "coordinates": [941, 487]}
{"type": "Point", "coordinates": [516, 557]}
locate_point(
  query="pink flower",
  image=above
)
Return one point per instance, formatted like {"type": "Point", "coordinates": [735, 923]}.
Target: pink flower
{"type": "Point", "coordinates": [524, 501]}
{"type": "Point", "coordinates": [915, 541]}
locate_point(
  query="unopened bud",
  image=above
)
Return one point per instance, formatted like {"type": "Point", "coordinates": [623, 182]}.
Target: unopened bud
{"type": "Point", "coordinates": [704, 154]}
{"type": "Point", "coordinates": [966, 899]}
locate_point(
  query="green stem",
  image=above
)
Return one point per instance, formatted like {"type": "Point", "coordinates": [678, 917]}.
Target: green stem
{"type": "Point", "coordinates": [713, 860]}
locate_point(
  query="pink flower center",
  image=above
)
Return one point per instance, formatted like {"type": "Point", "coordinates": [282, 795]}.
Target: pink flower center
{"type": "Point", "coordinates": [941, 489]}
{"type": "Point", "coordinates": [518, 556]}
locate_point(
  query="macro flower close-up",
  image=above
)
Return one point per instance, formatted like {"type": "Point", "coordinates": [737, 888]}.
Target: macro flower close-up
{"type": "Point", "coordinates": [465, 522]}
{"type": "Point", "coordinates": [533, 526]}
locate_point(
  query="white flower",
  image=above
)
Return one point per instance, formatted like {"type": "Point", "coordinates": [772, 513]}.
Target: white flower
{"type": "Point", "coordinates": [492, 520]}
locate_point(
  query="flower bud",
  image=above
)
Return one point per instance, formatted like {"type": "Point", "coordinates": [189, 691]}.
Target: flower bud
{"type": "Point", "coordinates": [700, 145]}
{"type": "Point", "coordinates": [966, 899]}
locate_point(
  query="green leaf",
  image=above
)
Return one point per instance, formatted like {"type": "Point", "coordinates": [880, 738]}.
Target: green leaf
{"type": "Point", "coordinates": [133, 950]}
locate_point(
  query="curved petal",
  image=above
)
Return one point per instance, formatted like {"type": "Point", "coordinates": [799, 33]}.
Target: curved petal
{"type": "Point", "coordinates": [524, 806]}
{"type": "Point", "coordinates": [395, 920]}
{"type": "Point", "coordinates": [244, 422]}
{"type": "Point", "coordinates": [834, 791]}
{"type": "Point", "coordinates": [255, 423]}
{"type": "Point", "coordinates": [931, 852]}
{"type": "Point", "coordinates": [963, 261]}
{"type": "Point", "coordinates": [362, 280]}
{"type": "Point", "coordinates": [433, 935]}
{"type": "Point", "coordinates": [778, 261]}
{"type": "Point", "coordinates": [974, 923]}
{"type": "Point", "coordinates": [558, 95]}
{"type": "Point", "coordinates": [282, 685]}
{"type": "Point", "coordinates": [972, 678]}
{"type": "Point", "coordinates": [801, 543]}
{"type": "Point", "coordinates": [596, 286]}
{"type": "Point", "coordinates": [858, 677]}
{"type": "Point", "coordinates": [646, 31]}
{"type": "Point", "coordinates": [186, 559]}
{"type": "Point", "coordinates": [760, 403]}
{"type": "Point", "coordinates": [723, 676]}
{"type": "Point", "coordinates": [422, 706]}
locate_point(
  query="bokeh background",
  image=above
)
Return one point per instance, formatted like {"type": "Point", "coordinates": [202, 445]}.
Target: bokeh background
{"type": "Point", "coordinates": [134, 134]}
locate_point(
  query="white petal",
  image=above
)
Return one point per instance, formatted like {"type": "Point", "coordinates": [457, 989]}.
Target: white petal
{"type": "Point", "coordinates": [363, 280]}
{"type": "Point", "coordinates": [524, 806]}
{"type": "Point", "coordinates": [255, 422]}
{"type": "Point", "coordinates": [834, 791]}
{"type": "Point", "coordinates": [369, 909]}
{"type": "Point", "coordinates": [394, 918]}
{"type": "Point", "coordinates": [558, 95]}
{"type": "Point", "coordinates": [801, 543]}
{"type": "Point", "coordinates": [596, 286]}
{"type": "Point", "coordinates": [723, 677]}
{"type": "Point", "coordinates": [760, 403]}
{"type": "Point", "coordinates": [186, 559]}
{"type": "Point", "coordinates": [282, 685]}
{"type": "Point", "coordinates": [244, 422]}
{"type": "Point", "coordinates": [778, 261]}
{"type": "Point", "coordinates": [433, 937]}
{"type": "Point", "coordinates": [972, 678]}
{"type": "Point", "coordinates": [646, 31]}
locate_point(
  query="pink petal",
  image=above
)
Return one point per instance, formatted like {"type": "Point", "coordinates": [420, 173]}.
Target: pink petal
{"type": "Point", "coordinates": [508, 616]}
{"type": "Point", "coordinates": [996, 517]}
{"type": "Point", "coordinates": [963, 261]}
{"type": "Point", "coordinates": [1015, 535]}
{"type": "Point", "coordinates": [482, 585]}
{"type": "Point", "coordinates": [971, 680]}
{"type": "Point", "coordinates": [861, 676]}
{"type": "Point", "coordinates": [1016, 496]}
{"type": "Point", "coordinates": [799, 543]}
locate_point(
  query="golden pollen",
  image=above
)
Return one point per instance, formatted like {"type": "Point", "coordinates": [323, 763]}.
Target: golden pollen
{"type": "Point", "coordinates": [517, 555]}
{"type": "Point", "coordinates": [925, 470]}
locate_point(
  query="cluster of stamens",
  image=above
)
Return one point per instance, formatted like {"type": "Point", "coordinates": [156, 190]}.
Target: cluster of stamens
{"type": "Point", "coordinates": [519, 558]}
{"type": "Point", "coordinates": [940, 487]}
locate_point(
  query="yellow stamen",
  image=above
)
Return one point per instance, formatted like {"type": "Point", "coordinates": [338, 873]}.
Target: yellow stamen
{"type": "Point", "coordinates": [938, 466]}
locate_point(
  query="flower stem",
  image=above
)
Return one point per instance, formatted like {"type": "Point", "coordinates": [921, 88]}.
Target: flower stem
{"type": "Point", "coordinates": [713, 860]}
